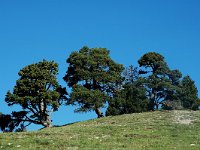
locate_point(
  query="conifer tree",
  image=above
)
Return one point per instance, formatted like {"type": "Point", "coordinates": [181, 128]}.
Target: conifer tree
{"type": "Point", "coordinates": [93, 77]}
{"type": "Point", "coordinates": [131, 98]}
{"type": "Point", "coordinates": [160, 82]}
{"type": "Point", "coordinates": [37, 92]}
{"type": "Point", "coordinates": [189, 94]}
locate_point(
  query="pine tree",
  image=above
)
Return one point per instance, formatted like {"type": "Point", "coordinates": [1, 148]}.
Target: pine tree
{"type": "Point", "coordinates": [93, 77]}
{"type": "Point", "coordinates": [160, 82]}
{"type": "Point", "coordinates": [189, 94]}
{"type": "Point", "coordinates": [131, 99]}
{"type": "Point", "coordinates": [37, 92]}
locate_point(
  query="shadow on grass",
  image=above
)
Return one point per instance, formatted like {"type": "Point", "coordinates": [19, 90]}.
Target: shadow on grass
{"type": "Point", "coordinates": [57, 126]}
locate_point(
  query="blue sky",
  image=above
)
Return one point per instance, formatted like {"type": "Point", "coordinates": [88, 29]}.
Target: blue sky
{"type": "Point", "coordinates": [32, 30]}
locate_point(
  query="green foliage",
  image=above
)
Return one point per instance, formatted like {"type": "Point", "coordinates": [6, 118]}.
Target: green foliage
{"type": "Point", "coordinates": [93, 76]}
{"type": "Point", "coordinates": [172, 96]}
{"type": "Point", "coordinates": [37, 92]}
{"type": "Point", "coordinates": [160, 82]}
{"type": "Point", "coordinates": [131, 99]}
{"type": "Point", "coordinates": [87, 98]}
{"type": "Point", "coordinates": [189, 94]}
{"type": "Point", "coordinates": [154, 61]}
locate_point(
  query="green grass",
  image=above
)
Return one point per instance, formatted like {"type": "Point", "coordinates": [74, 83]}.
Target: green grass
{"type": "Point", "coordinates": [160, 130]}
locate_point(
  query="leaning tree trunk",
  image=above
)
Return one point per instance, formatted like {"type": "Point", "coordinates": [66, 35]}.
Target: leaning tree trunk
{"type": "Point", "coordinates": [98, 112]}
{"type": "Point", "coordinates": [46, 120]}
{"type": "Point", "coordinates": [96, 108]}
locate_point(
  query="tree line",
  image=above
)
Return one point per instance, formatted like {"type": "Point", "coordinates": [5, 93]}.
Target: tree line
{"type": "Point", "coordinates": [97, 81]}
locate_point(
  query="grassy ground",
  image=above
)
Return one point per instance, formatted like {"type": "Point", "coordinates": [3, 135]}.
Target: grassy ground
{"type": "Point", "coordinates": [160, 130]}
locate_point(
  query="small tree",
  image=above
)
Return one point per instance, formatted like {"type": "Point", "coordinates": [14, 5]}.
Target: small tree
{"type": "Point", "coordinates": [93, 76]}
{"type": "Point", "coordinates": [131, 97]}
{"type": "Point", "coordinates": [37, 92]}
{"type": "Point", "coordinates": [189, 94]}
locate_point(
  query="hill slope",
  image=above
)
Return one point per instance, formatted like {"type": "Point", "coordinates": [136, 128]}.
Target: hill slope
{"type": "Point", "coordinates": [152, 130]}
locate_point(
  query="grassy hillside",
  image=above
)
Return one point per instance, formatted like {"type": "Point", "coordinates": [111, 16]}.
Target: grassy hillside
{"type": "Point", "coordinates": [153, 130]}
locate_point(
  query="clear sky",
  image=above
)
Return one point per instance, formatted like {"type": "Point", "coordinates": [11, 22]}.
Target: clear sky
{"type": "Point", "coordinates": [32, 30]}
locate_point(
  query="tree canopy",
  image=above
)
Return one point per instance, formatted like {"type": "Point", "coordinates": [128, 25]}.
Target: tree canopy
{"type": "Point", "coordinates": [38, 93]}
{"type": "Point", "coordinates": [93, 76]}
{"type": "Point", "coordinates": [189, 94]}
{"type": "Point", "coordinates": [131, 98]}
{"type": "Point", "coordinates": [160, 82]}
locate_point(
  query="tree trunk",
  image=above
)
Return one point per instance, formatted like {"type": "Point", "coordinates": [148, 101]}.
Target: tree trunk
{"type": "Point", "coordinates": [46, 120]}
{"type": "Point", "coordinates": [151, 105]}
{"type": "Point", "coordinates": [47, 123]}
{"type": "Point", "coordinates": [97, 109]}
{"type": "Point", "coordinates": [98, 112]}
{"type": "Point", "coordinates": [152, 101]}
{"type": "Point", "coordinates": [157, 105]}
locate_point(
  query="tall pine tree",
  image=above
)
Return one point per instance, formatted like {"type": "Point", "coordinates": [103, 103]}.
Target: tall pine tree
{"type": "Point", "coordinates": [93, 76]}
